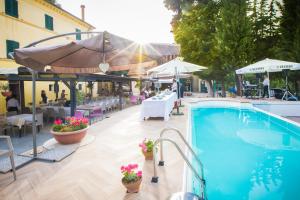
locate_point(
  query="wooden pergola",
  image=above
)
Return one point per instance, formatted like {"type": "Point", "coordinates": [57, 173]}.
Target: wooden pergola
{"type": "Point", "coordinates": [70, 80]}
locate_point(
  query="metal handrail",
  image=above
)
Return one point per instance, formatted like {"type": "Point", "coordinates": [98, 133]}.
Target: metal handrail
{"type": "Point", "coordinates": [155, 177]}
{"type": "Point", "coordinates": [161, 162]}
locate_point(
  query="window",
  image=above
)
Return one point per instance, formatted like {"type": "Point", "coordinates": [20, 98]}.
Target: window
{"type": "Point", "coordinates": [48, 22]}
{"type": "Point", "coordinates": [78, 36]}
{"type": "Point", "coordinates": [11, 46]}
{"type": "Point", "coordinates": [11, 8]}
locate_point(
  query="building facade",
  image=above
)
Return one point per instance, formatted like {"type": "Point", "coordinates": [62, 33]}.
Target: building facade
{"type": "Point", "coordinates": [25, 21]}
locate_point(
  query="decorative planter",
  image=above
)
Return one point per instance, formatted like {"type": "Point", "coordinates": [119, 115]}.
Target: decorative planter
{"type": "Point", "coordinates": [69, 137]}
{"type": "Point", "coordinates": [6, 93]}
{"type": "Point", "coordinates": [148, 155]}
{"type": "Point", "coordinates": [133, 187]}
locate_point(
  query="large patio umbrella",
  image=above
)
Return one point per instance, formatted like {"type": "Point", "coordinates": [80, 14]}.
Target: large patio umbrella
{"type": "Point", "coordinates": [269, 65]}
{"type": "Point", "coordinates": [175, 67]}
{"type": "Point", "coordinates": [86, 56]}
{"type": "Point", "coordinates": [92, 55]}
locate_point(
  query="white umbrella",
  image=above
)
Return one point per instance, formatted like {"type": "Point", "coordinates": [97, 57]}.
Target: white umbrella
{"type": "Point", "coordinates": [268, 65]}
{"type": "Point", "coordinates": [175, 67]}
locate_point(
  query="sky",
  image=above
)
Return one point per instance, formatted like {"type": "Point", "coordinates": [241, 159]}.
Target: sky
{"type": "Point", "coordinates": [143, 21]}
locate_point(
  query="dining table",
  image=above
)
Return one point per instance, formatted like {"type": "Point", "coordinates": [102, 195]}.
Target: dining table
{"type": "Point", "coordinates": [26, 117]}
{"type": "Point", "coordinates": [158, 106]}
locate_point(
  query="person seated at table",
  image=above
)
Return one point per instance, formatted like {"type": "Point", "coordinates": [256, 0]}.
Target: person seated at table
{"type": "Point", "coordinates": [13, 104]}
{"type": "Point", "coordinates": [44, 96]}
{"type": "Point", "coordinates": [63, 95]}
{"type": "Point", "coordinates": [266, 84]}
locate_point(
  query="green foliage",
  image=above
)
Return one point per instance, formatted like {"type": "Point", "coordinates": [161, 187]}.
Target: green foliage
{"type": "Point", "coordinates": [225, 35]}
{"type": "Point", "coordinates": [4, 86]}
{"type": "Point", "coordinates": [195, 33]}
{"type": "Point", "coordinates": [79, 97]}
{"type": "Point", "coordinates": [149, 144]}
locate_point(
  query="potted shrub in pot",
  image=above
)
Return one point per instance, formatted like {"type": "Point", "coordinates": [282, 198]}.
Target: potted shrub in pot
{"type": "Point", "coordinates": [132, 178]}
{"type": "Point", "coordinates": [72, 131]}
{"type": "Point", "coordinates": [4, 87]}
{"type": "Point", "coordinates": [147, 148]}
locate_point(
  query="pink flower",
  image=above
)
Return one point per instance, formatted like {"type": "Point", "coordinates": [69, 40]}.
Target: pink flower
{"type": "Point", "coordinates": [139, 173]}
{"type": "Point", "coordinates": [143, 146]}
{"type": "Point", "coordinates": [58, 122]}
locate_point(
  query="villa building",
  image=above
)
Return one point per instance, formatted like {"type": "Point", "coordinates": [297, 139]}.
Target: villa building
{"type": "Point", "coordinates": [25, 21]}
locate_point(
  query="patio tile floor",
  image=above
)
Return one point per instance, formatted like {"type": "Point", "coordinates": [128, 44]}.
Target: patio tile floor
{"type": "Point", "coordinates": [93, 171]}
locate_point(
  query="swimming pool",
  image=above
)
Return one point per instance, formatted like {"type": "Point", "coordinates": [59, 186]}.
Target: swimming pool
{"type": "Point", "coordinates": [247, 153]}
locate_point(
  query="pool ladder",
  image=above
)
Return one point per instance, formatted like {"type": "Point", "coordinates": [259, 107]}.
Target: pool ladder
{"type": "Point", "coordinates": [160, 141]}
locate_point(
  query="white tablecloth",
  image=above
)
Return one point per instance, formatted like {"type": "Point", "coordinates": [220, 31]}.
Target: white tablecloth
{"type": "Point", "coordinates": [26, 117]}
{"type": "Point", "coordinates": [158, 107]}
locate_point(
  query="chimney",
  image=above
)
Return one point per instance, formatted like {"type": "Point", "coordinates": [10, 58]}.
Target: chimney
{"type": "Point", "coordinates": [82, 12]}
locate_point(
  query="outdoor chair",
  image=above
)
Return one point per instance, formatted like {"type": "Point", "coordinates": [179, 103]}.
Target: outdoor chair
{"type": "Point", "coordinates": [142, 98]}
{"type": "Point", "coordinates": [79, 114]}
{"type": "Point", "coordinates": [133, 99]}
{"type": "Point", "coordinates": [39, 122]}
{"type": "Point", "coordinates": [62, 114]}
{"type": "Point", "coordinates": [50, 114]}
{"type": "Point", "coordinates": [11, 113]}
{"type": "Point", "coordinates": [96, 115]}
{"type": "Point", "coordinates": [4, 126]}
{"type": "Point", "coordinates": [27, 110]}
{"type": "Point", "coordinates": [9, 153]}
{"type": "Point", "coordinates": [19, 124]}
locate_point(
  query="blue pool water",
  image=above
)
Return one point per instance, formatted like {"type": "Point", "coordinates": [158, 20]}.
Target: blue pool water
{"type": "Point", "coordinates": [247, 154]}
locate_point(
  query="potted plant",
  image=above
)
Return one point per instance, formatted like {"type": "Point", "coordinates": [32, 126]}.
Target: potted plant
{"type": "Point", "coordinates": [132, 178]}
{"type": "Point", "coordinates": [4, 87]}
{"type": "Point", "coordinates": [147, 148]}
{"type": "Point", "coordinates": [72, 131]}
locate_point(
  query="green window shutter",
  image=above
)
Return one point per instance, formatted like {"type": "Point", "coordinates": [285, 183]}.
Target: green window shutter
{"type": "Point", "coordinates": [48, 22]}
{"type": "Point", "coordinates": [78, 36]}
{"type": "Point", "coordinates": [11, 46]}
{"type": "Point", "coordinates": [11, 8]}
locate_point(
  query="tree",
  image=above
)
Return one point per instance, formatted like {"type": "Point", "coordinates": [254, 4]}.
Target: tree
{"type": "Point", "coordinates": [195, 32]}
{"type": "Point", "coordinates": [264, 19]}
{"type": "Point", "coordinates": [181, 6]}
{"type": "Point", "coordinates": [234, 38]}
{"type": "Point", "coordinates": [289, 45]}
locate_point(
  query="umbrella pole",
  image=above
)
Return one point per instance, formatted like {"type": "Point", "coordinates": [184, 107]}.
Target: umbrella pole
{"type": "Point", "coordinates": [33, 73]}
{"type": "Point", "coordinates": [269, 91]}
{"type": "Point", "coordinates": [178, 94]}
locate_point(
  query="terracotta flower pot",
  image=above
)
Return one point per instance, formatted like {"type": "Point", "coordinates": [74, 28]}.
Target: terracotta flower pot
{"type": "Point", "coordinates": [69, 137]}
{"type": "Point", "coordinates": [6, 93]}
{"type": "Point", "coordinates": [148, 155]}
{"type": "Point", "coordinates": [133, 187]}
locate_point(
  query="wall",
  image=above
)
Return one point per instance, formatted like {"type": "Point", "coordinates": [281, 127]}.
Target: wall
{"type": "Point", "coordinates": [30, 27]}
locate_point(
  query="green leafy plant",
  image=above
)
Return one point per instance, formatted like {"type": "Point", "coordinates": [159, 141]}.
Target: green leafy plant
{"type": "Point", "coordinates": [130, 173]}
{"type": "Point", "coordinates": [71, 124]}
{"type": "Point", "coordinates": [4, 86]}
{"type": "Point", "coordinates": [147, 145]}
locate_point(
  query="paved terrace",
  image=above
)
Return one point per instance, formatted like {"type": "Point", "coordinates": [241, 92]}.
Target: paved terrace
{"type": "Point", "coordinates": [93, 171]}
